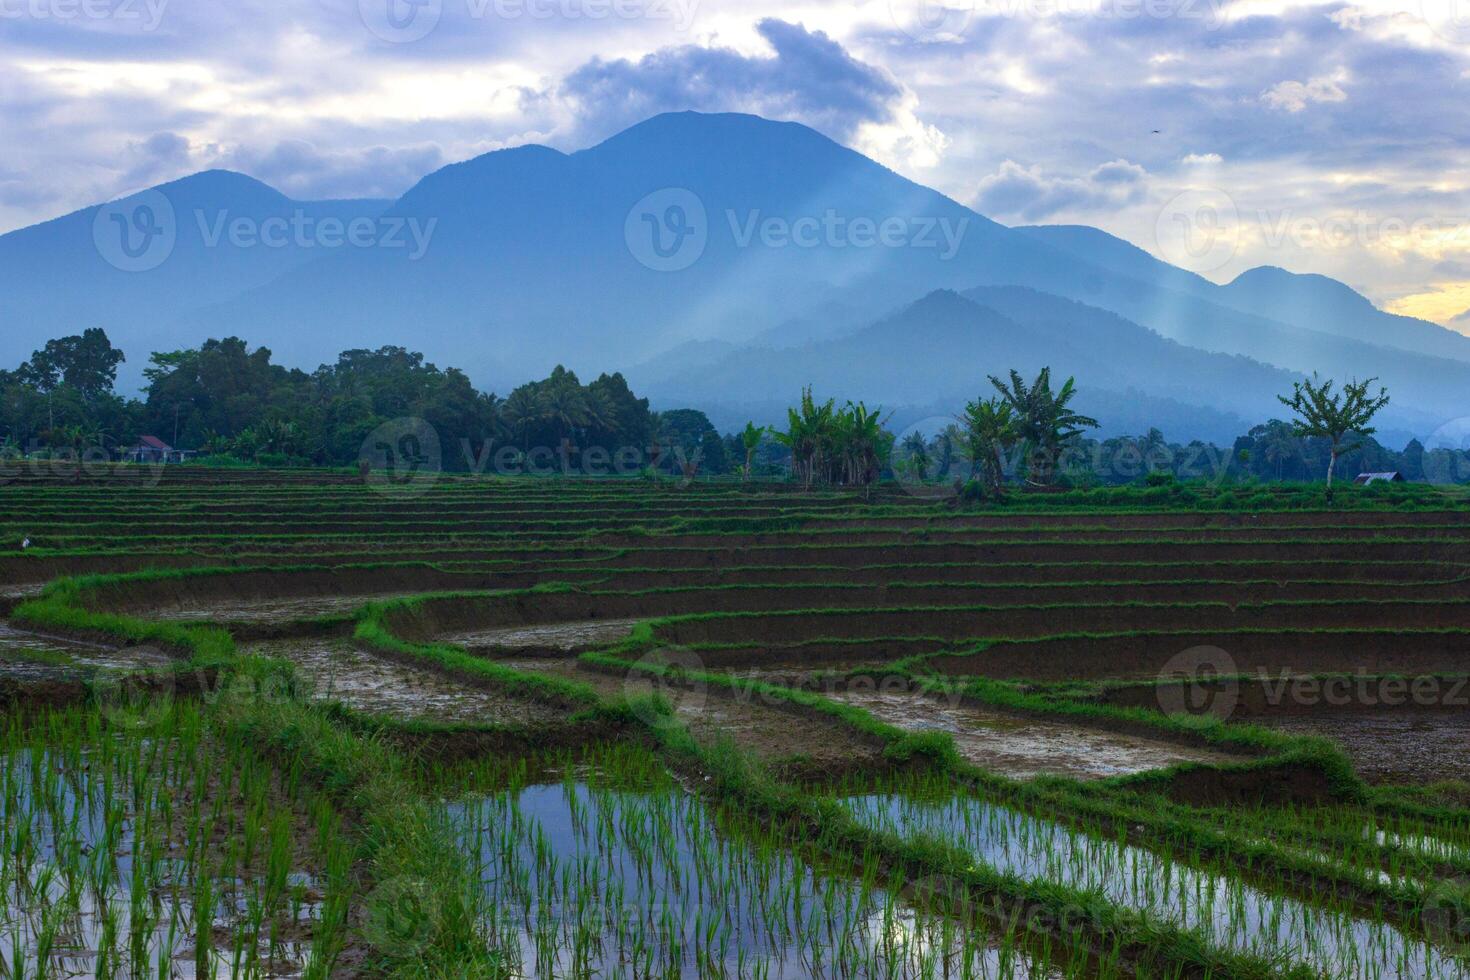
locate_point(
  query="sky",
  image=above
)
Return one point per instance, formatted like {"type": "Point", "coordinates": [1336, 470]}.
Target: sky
{"type": "Point", "coordinates": [1319, 137]}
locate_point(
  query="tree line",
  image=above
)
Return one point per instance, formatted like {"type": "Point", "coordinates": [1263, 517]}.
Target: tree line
{"type": "Point", "coordinates": [231, 403]}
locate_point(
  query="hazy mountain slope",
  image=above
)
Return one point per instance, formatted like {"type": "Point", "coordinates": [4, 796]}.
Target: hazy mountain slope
{"type": "Point", "coordinates": [938, 351]}
{"type": "Point", "coordinates": [55, 277]}
{"type": "Point", "coordinates": [1311, 302]}
{"type": "Point", "coordinates": [531, 254]}
{"type": "Point", "coordinates": [717, 229]}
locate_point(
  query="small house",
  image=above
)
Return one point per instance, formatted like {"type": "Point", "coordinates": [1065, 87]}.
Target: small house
{"type": "Point", "coordinates": [151, 449]}
{"type": "Point", "coordinates": [1364, 479]}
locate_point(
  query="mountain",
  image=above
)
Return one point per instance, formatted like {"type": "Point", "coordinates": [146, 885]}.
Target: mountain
{"type": "Point", "coordinates": [709, 234]}
{"type": "Point", "coordinates": [64, 275]}
{"type": "Point", "coordinates": [936, 352]}
{"type": "Point", "coordinates": [547, 257]}
{"type": "Point", "coordinates": [1309, 302]}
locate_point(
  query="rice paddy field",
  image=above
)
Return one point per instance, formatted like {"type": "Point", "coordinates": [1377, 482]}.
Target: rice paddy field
{"type": "Point", "coordinates": [281, 724]}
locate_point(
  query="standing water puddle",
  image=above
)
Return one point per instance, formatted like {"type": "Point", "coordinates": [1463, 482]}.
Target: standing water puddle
{"type": "Point", "coordinates": [579, 880]}
{"type": "Point", "coordinates": [1227, 913]}
{"type": "Point", "coordinates": [1025, 747]}
{"type": "Point", "coordinates": [29, 656]}
{"type": "Point", "coordinates": [269, 611]}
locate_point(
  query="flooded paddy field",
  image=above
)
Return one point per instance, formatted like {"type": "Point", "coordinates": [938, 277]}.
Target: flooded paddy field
{"type": "Point", "coordinates": [550, 637]}
{"type": "Point", "coordinates": [265, 611]}
{"type": "Point", "coordinates": [29, 655]}
{"type": "Point", "coordinates": [1022, 747]}
{"type": "Point", "coordinates": [1230, 913]}
{"type": "Point", "coordinates": [767, 729]}
{"type": "Point", "coordinates": [595, 875]}
{"type": "Point", "coordinates": [335, 670]}
{"type": "Point", "coordinates": [204, 867]}
{"type": "Point", "coordinates": [731, 801]}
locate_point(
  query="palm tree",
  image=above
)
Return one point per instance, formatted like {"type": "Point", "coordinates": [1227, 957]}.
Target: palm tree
{"type": "Point", "coordinates": [916, 455]}
{"type": "Point", "coordinates": [566, 407]}
{"type": "Point", "coordinates": [1281, 444]}
{"type": "Point", "coordinates": [750, 440]}
{"type": "Point", "coordinates": [521, 412]}
{"type": "Point", "coordinates": [1044, 420]}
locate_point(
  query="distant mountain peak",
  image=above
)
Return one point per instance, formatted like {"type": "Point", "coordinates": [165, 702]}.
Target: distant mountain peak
{"type": "Point", "coordinates": [1275, 277]}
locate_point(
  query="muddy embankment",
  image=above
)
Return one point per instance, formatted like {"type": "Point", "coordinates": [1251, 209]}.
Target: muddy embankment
{"type": "Point", "coordinates": [1193, 519]}
{"type": "Point", "coordinates": [680, 552]}
{"type": "Point", "coordinates": [962, 624]}
{"type": "Point", "coordinates": [1403, 651]}
{"type": "Point", "coordinates": [920, 611]}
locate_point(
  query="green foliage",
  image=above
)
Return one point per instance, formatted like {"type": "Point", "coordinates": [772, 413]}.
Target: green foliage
{"type": "Point", "coordinates": [1322, 414]}
{"type": "Point", "coordinates": [1043, 420]}
{"type": "Point", "coordinates": [835, 447]}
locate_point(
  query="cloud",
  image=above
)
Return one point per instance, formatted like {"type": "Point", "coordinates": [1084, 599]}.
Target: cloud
{"type": "Point", "coordinates": [302, 170]}
{"type": "Point", "coordinates": [1296, 96]}
{"type": "Point", "coordinates": [809, 77]}
{"type": "Point", "coordinates": [1202, 159]}
{"type": "Point", "coordinates": [1015, 191]}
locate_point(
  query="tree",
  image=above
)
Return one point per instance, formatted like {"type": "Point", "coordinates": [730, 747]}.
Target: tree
{"type": "Point", "coordinates": [1281, 443]}
{"type": "Point", "coordinates": [916, 455]}
{"type": "Point", "coordinates": [990, 433]}
{"type": "Point", "coordinates": [1043, 419]}
{"type": "Point", "coordinates": [808, 432]}
{"type": "Point", "coordinates": [750, 441]}
{"type": "Point", "coordinates": [87, 362]}
{"type": "Point", "coordinates": [1321, 414]}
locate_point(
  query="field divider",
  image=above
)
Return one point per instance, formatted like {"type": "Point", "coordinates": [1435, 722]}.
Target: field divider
{"type": "Point", "coordinates": [1107, 803]}
{"type": "Point", "coordinates": [1049, 910]}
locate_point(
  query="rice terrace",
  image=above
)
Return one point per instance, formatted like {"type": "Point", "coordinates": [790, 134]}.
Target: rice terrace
{"type": "Point", "coordinates": [734, 490]}
{"type": "Point", "coordinates": [281, 723]}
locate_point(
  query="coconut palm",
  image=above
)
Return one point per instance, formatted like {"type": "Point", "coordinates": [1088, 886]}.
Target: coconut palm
{"type": "Point", "coordinates": [521, 412]}
{"type": "Point", "coordinates": [750, 441]}
{"type": "Point", "coordinates": [916, 455]}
